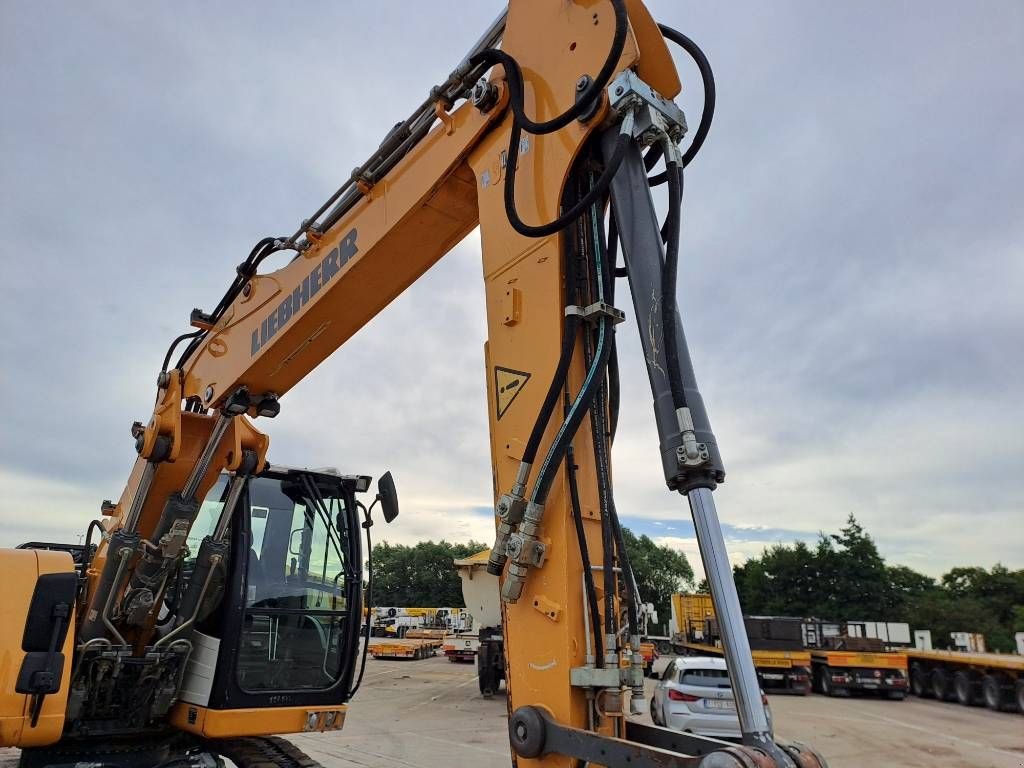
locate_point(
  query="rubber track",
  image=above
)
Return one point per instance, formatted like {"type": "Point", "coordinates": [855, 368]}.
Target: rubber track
{"type": "Point", "coordinates": [262, 752]}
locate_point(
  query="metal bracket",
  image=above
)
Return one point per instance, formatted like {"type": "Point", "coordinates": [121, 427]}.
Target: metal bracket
{"type": "Point", "coordinates": [534, 733]}
{"type": "Point", "coordinates": [592, 677]}
{"type": "Point", "coordinates": [656, 116]}
{"type": "Point", "coordinates": [593, 312]}
{"type": "Point", "coordinates": [687, 460]}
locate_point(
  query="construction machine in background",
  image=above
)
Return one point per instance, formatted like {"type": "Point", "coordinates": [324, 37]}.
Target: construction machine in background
{"type": "Point", "coordinates": [152, 651]}
{"type": "Point", "coordinates": [486, 643]}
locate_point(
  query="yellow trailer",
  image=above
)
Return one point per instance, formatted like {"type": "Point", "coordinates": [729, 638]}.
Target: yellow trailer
{"type": "Point", "coordinates": [411, 650]}
{"type": "Point", "coordinates": [993, 679]}
{"type": "Point", "coordinates": [837, 673]}
{"type": "Point", "coordinates": [778, 671]}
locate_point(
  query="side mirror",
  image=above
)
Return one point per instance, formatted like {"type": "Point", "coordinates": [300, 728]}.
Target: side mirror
{"type": "Point", "coordinates": [388, 497]}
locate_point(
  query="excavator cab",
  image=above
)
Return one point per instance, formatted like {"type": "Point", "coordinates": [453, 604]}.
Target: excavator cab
{"type": "Point", "coordinates": [284, 627]}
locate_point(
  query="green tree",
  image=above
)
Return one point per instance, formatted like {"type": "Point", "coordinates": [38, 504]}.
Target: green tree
{"type": "Point", "coordinates": [420, 575]}
{"type": "Point", "coordinates": [659, 571]}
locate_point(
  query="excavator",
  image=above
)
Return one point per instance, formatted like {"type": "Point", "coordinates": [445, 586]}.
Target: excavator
{"type": "Point", "coordinates": [219, 603]}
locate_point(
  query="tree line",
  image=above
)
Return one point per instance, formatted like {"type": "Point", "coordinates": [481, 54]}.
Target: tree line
{"type": "Point", "coordinates": [840, 577]}
{"type": "Point", "coordinates": [843, 577]}
{"type": "Point", "coordinates": [424, 574]}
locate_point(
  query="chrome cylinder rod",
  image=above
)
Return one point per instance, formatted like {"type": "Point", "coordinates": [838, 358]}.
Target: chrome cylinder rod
{"type": "Point", "coordinates": [738, 658]}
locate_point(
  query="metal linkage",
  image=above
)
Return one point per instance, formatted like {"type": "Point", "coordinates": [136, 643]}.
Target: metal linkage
{"type": "Point", "coordinates": [139, 499]}
{"type": "Point", "coordinates": [533, 733]}
{"type": "Point", "coordinates": [202, 465]}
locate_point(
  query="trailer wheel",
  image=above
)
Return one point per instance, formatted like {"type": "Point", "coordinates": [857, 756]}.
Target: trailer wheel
{"type": "Point", "coordinates": [963, 687]}
{"type": "Point", "coordinates": [919, 681]}
{"type": "Point", "coordinates": [664, 647]}
{"type": "Point", "coordinates": [940, 684]}
{"type": "Point", "coordinates": [486, 677]}
{"type": "Point", "coordinates": [825, 681]}
{"type": "Point", "coordinates": [992, 692]}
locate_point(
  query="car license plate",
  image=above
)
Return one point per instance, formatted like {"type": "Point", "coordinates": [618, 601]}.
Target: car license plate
{"type": "Point", "coordinates": [721, 704]}
{"type": "Point", "coordinates": [773, 676]}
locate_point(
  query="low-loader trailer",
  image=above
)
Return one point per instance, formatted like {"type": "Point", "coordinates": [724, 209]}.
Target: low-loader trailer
{"type": "Point", "coordinates": [972, 679]}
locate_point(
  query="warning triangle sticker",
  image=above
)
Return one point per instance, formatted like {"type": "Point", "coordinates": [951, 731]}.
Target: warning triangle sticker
{"type": "Point", "coordinates": [507, 386]}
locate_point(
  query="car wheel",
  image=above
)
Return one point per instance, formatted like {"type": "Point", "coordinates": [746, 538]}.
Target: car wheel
{"type": "Point", "coordinates": [1020, 696]}
{"type": "Point", "coordinates": [654, 712]}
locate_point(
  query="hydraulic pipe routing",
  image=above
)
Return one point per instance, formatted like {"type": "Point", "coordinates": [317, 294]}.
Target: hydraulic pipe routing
{"type": "Point", "coordinates": [642, 247]}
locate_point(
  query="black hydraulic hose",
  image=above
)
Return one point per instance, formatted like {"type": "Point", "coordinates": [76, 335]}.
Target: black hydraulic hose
{"type": "Point", "coordinates": [243, 273]}
{"type": "Point", "coordinates": [514, 76]}
{"type": "Point", "coordinates": [669, 308]}
{"type": "Point", "coordinates": [592, 382]}
{"type": "Point", "coordinates": [598, 191]}
{"type": "Point", "coordinates": [588, 571]}
{"type": "Point", "coordinates": [610, 246]}
{"type": "Point", "coordinates": [628, 579]}
{"type": "Point", "coordinates": [564, 360]}
{"type": "Point", "coordinates": [707, 77]}
{"type": "Point", "coordinates": [521, 122]}
{"type": "Point", "coordinates": [174, 344]}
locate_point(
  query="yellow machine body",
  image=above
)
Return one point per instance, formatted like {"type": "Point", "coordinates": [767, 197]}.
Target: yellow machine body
{"type": "Point", "coordinates": [21, 569]}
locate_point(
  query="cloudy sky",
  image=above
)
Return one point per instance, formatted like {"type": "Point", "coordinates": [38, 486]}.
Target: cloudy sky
{"type": "Point", "coordinates": [852, 279]}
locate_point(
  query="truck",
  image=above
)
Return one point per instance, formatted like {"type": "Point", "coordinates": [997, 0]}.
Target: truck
{"type": "Point", "coordinates": [487, 641]}
{"type": "Point", "coordinates": [782, 663]}
{"type": "Point", "coordinates": [399, 622]}
{"type": "Point", "coordinates": [994, 680]}
{"type": "Point", "coordinates": [844, 660]}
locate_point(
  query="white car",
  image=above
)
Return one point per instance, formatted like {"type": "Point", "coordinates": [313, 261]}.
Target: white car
{"type": "Point", "coordinates": [694, 695]}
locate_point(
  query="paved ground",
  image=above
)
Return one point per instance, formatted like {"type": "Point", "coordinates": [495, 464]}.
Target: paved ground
{"type": "Point", "coordinates": [428, 714]}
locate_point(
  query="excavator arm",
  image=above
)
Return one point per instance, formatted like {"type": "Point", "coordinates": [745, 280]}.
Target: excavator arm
{"type": "Point", "coordinates": [540, 143]}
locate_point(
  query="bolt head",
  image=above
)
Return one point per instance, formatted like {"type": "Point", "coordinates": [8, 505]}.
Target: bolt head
{"type": "Point", "coordinates": [619, 90]}
{"type": "Point", "coordinates": [208, 395]}
{"type": "Point", "coordinates": [247, 290]}
{"type": "Point", "coordinates": [582, 83]}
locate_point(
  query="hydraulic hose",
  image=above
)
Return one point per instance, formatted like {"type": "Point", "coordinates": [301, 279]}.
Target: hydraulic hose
{"type": "Point", "coordinates": [243, 273]}
{"type": "Point", "coordinates": [588, 571]}
{"type": "Point", "coordinates": [521, 122]}
{"type": "Point", "coordinates": [514, 75]}
{"type": "Point", "coordinates": [591, 384]}
{"type": "Point", "coordinates": [557, 385]}
{"type": "Point", "coordinates": [707, 77]}
{"type": "Point", "coordinates": [598, 191]}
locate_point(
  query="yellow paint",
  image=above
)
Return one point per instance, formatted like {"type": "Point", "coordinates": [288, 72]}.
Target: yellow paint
{"type": "Point", "coordinates": [227, 723]}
